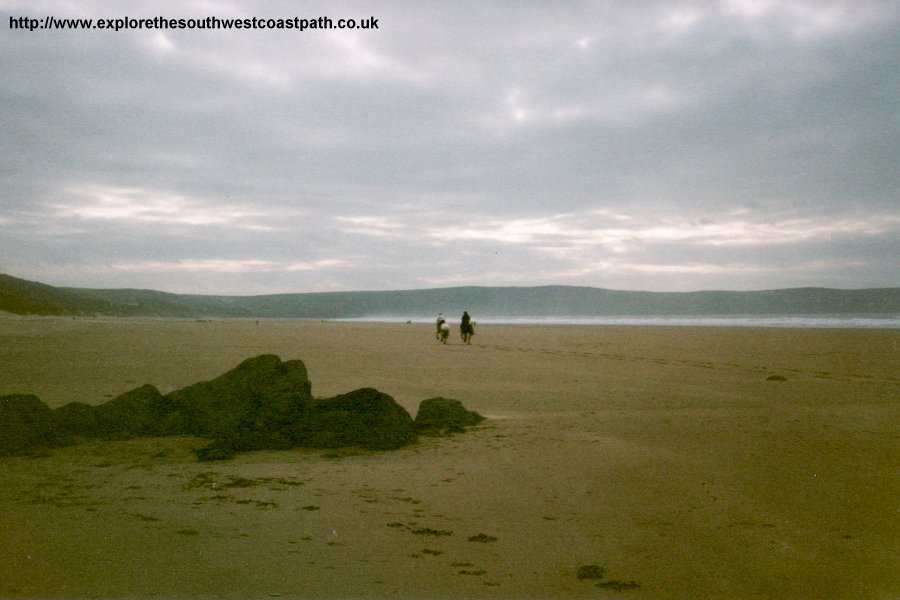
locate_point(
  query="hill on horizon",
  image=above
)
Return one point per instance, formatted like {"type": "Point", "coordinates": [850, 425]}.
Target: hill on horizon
{"type": "Point", "coordinates": [21, 296]}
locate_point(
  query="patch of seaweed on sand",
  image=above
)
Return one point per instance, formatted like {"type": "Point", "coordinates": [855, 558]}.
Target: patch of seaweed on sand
{"type": "Point", "coordinates": [618, 586]}
{"type": "Point", "coordinates": [596, 572]}
{"type": "Point", "coordinates": [430, 531]}
{"type": "Point", "coordinates": [420, 530]}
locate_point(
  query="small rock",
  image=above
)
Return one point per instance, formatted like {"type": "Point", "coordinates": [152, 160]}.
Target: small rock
{"type": "Point", "coordinates": [445, 415]}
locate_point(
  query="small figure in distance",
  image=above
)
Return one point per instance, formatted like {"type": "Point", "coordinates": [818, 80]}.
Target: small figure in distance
{"type": "Point", "coordinates": [444, 332]}
{"type": "Point", "coordinates": [440, 321]}
{"type": "Point", "coordinates": [466, 328]}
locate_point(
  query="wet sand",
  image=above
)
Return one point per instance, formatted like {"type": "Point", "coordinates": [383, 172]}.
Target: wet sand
{"type": "Point", "coordinates": [663, 456]}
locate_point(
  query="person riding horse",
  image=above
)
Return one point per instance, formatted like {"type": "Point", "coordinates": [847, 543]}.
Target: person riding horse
{"type": "Point", "coordinates": [440, 321]}
{"type": "Point", "coordinates": [466, 327]}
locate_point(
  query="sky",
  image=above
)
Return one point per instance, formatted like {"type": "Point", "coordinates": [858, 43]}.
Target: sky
{"type": "Point", "coordinates": [661, 146]}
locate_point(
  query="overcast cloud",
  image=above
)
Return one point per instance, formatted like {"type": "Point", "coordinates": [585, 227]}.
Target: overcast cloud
{"type": "Point", "coordinates": [734, 144]}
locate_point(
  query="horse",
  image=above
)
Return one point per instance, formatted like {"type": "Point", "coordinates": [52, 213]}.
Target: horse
{"type": "Point", "coordinates": [466, 332]}
{"type": "Point", "coordinates": [443, 332]}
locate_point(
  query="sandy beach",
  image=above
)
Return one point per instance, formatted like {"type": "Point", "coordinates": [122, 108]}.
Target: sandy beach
{"type": "Point", "coordinates": [662, 456]}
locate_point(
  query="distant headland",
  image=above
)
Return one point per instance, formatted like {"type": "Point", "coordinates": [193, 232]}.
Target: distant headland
{"type": "Point", "coordinates": [20, 296]}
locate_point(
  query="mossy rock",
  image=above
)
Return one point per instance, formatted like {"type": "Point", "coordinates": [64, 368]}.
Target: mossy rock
{"type": "Point", "coordinates": [262, 393]}
{"type": "Point", "coordinates": [444, 415]}
{"type": "Point", "coordinates": [262, 404]}
{"type": "Point", "coordinates": [365, 417]}
{"type": "Point", "coordinates": [27, 426]}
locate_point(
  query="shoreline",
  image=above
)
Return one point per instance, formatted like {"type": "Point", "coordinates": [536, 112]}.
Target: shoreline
{"type": "Point", "coordinates": [861, 322]}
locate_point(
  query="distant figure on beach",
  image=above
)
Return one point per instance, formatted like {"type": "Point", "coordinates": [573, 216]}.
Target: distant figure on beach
{"type": "Point", "coordinates": [466, 327]}
{"type": "Point", "coordinates": [444, 332]}
{"type": "Point", "coordinates": [440, 321]}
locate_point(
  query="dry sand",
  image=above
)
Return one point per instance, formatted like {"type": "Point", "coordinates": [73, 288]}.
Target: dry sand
{"type": "Point", "coordinates": [661, 455]}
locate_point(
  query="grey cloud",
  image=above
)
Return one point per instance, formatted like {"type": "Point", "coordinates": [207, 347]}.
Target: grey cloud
{"type": "Point", "coordinates": [402, 157]}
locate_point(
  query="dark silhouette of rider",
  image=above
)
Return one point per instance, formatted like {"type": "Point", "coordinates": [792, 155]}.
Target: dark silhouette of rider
{"type": "Point", "coordinates": [465, 325]}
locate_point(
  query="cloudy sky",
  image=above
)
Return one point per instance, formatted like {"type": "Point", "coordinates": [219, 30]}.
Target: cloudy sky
{"type": "Point", "coordinates": [668, 146]}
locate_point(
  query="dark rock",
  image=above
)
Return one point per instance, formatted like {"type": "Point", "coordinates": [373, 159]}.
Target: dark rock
{"type": "Point", "coordinates": [259, 396]}
{"type": "Point", "coordinates": [366, 418]}
{"type": "Point", "coordinates": [78, 418]}
{"type": "Point", "coordinates": [266, 404]}
{"type": "Point", "coordinates": [262, 404]}
{"type": "Point", "coordinates": [141, 412]}
{"type": "Point", "coordinates": [28, 425]}
{"type": "Point", "coordinates": [445, 415]}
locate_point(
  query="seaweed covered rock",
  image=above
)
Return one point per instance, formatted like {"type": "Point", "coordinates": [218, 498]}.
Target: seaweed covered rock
{"type": "Point", "coordinates": [28, 425]}
{"type": "Point", "coordinates": [444, 415]}
{"type": "Point", "coordinates": [266, 404]}
{"type": "Point", "coordinates": [262, 404]}
{"type": "Point", "coordinates": [78, 418]}
{"type": "Point", "coordinates": [262, 395]}
{"type": "Point", "coordinates": [140, 412]}
{"type": "Point", "coordinates": [366, 418]}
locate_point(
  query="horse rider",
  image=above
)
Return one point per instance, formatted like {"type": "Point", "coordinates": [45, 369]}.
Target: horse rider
{"type": "Point", "coordinates": [440, 321]}
{"type": "Point", "coordinates": [465, 324]}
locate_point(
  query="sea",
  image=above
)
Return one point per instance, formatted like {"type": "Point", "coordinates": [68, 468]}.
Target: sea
{"type": "Point", "coordinates": [785, 321]}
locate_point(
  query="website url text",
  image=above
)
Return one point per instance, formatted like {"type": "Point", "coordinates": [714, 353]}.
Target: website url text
{"type": "Point", "coordinates": [130, 23]}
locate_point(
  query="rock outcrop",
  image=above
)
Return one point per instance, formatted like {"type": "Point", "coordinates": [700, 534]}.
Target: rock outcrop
{"type": "Point", "coordinates": [262, 394]}
{"type": "Point", "coordinates": [142, 412]}
{"type": "Point", "coordinates": [27, 425]}
{"type": "Point", "coordinates": [263, 403]}
{"type": "Point", "coordinates": [366, 418]}
{"type": "Point", "coordinates": [443, 415]}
